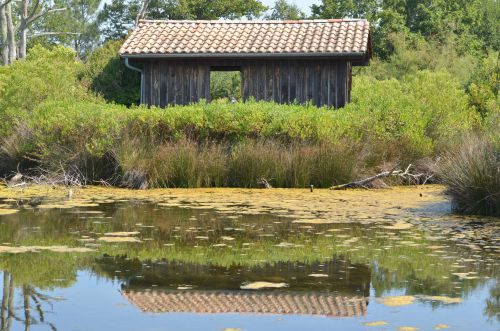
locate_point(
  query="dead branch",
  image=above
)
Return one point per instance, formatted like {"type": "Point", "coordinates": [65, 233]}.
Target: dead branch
{"type": "Point", "coordinates": [41, 34]}
{"type": "Point", "coordinates": [405, 175]}
{"type": "Point", "coordinates": [263, 183]}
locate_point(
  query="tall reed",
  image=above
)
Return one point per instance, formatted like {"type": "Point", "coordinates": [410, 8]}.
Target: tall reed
{"type": "Point", "coordinates": [472, 176]}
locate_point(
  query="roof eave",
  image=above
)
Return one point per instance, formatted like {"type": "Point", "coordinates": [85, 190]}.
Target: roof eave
{"type": "Point", "coordinates": [358, 57]}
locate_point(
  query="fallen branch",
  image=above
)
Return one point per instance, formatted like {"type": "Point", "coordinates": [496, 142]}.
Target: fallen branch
{"type": "Point", "coordinates": [364, 183]}
{"type": "Point", "coordinates": [262, 182]}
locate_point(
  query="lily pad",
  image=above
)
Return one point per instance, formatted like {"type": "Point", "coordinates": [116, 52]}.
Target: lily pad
{"type": "Point", "coordinates": [395, 301]}
{"type": "Point", "coordinates": [262, 285]}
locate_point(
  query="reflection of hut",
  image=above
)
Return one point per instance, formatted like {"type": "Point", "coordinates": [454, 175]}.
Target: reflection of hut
{"type": "Point", "coordinates": [214, 302]}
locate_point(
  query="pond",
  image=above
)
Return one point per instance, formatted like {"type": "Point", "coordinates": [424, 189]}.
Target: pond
{"type": "Point", "coordinates": [233, 259]}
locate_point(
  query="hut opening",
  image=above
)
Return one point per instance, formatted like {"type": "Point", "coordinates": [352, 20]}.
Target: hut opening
{"type": "Point", "coordinates": [225, 83]}
{"type": "Point", "coordinates": [281, 61]}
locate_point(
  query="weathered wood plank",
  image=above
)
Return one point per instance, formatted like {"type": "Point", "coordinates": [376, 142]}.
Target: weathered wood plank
{"type": "Point", "coordinates": [156, 83]}
{"type": "Point", "coordinates": [342, 83]}
{"type": "Point", "coordinates": [163, 83]}
{"type": "Point", "coordinates": [276, 82]}
{"type": "Point", "coordinates": [324, 83]}
{"type": "Point", "coordinates": [147, 83]}
{"type": "Point", "coordinates": [269, 81]}
{"type": "Point", "coordinates": [170, 83]}
{"type": "Point", "coordinates": [284, 82]}
{"type": "Point", "coordinates": [245, 75]}
{"type": "Point", "coordinates": [292, 79]}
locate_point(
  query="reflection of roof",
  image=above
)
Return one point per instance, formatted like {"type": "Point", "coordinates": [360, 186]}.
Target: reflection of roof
{"type": "Point", "coordinates": [247, 302]}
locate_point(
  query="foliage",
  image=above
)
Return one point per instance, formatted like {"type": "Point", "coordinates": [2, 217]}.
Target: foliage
{"type": "Point", "coordinates": [229, 144]}
{"type": "Point", "coordinates": [225, 84]}
{"type": "Point", "coordinates": [474, 23]}
{"type": "Point", "coordinates": [203, 9]}
{"type": "Point", "coordinates": [116, 18]}
{"type": "Point", "coordinates": [75, 27]}
{"type": "Point", "coordinates": [412, 53]}
{"type": "Point", "coordinates": [484, 84]}
{"type": "Point", "coordinates": [346, 8]}
{"type": "Point", "coordinates": [45, 74]}
{"type": "Point", "coordinates": [283, 10]}
{"type": "Point", "coordinates": [472, 175]}
{"type": "Point", "coordinates": [105, 74]}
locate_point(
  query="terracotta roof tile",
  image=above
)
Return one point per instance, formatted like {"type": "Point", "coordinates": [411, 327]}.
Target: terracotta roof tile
{"type": "Point", "coordinates": [206, 38]}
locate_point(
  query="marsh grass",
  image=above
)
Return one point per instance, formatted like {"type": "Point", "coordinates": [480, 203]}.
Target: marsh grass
{"type": "Point", "coordinates": [188, 163]}
{"type": "Point", "coordinates": [472, 176]}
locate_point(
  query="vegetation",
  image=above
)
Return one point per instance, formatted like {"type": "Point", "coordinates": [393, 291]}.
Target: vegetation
{"type": "Point", "coordinates": [472, 175]}
{"type": "Point", "coordinates": [434, 79]}
{"type": "Point", "coordinates": [61, 130]}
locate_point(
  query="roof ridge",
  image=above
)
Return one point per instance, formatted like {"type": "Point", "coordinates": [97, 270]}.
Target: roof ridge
{"type": "Point", "coordinates": [331, 20]}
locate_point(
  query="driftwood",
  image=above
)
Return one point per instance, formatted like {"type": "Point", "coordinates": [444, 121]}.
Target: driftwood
{"type": "Point", "coordinates": [365, 183]}
{"type": "Point", "coordinates": [262, 182]}
{"type": "Point", "coordinates": [72, 178]}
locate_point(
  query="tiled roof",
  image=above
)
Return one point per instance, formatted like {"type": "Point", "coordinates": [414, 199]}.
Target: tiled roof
{"type": "Point", "coordinates": [214, 302]}
{"type": "Point", "coordinates": [216, 38]}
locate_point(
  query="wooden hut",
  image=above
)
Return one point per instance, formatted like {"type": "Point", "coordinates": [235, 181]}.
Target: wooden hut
{"type": "Point", "coordinates": [280, 61]}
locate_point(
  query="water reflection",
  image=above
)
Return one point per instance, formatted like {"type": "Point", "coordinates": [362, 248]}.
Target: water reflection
{"type": "Point", "coordinates": [187, 257]}
{"type": "Point", "coordinates": [33, 309]}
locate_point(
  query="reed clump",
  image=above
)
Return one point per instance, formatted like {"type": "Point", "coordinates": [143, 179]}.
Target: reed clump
{"type": "Point", "coordinates": [471, 173]}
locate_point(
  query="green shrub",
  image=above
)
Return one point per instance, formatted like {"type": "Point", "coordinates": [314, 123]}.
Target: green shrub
{"type": "Point", "coordinates": [106, 74]}
{"type": "Point", "coordinates": [472, 176]}
{"type": "Point", "coordinates": [484, 85]}
{"type": "Point", "coordinates": [44, 75]}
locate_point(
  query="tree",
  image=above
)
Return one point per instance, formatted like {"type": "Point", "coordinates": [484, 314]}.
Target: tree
{"type": "Point", "coordinates": [205, 9]}
{"type": "Point", "coordinates": [119, 16]}
{"type": "Point", "coordinates": [283, 10]}
{"type": "Point", "coordinates": [75, 27]}
{"type": "Point", "coordinates": [105, 74]}
{"type": "Point", "coordinates": [475, 23]}
{"type": "Point", "coordinates": [17, 23]}
{"type": "Point", "coordinates": [346, 9]}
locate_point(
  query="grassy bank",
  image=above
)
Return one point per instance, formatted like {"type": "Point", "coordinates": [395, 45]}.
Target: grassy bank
{"type": "Point", "coordinates": [224, 144]}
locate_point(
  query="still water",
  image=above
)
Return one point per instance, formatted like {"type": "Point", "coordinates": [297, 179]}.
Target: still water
{"type": "Point", "coordinates": [111, 259]}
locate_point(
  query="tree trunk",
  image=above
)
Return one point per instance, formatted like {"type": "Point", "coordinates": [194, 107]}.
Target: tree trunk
{"type": "Point", "coordinates": [23, 40]}
{"type": "Point", "coordinates": [143, 10]}
{"type": "Point", "coordinates": [4, 49]}
{"type": "Point", "coordinates": [11, 34]}
{"type": "Point", "coordinates": [23, 29]}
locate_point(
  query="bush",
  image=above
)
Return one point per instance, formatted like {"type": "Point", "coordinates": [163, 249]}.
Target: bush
{"type": "Point", "coordinates": [106, 74]}
{"type": "Point", "coordinates": [472, 176]}
{"type": "Point", "coordinates": [44, 75]}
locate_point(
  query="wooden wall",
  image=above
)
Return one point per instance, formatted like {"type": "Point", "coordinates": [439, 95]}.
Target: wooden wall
{"type": "Point", "coordinates": [322, 82]}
